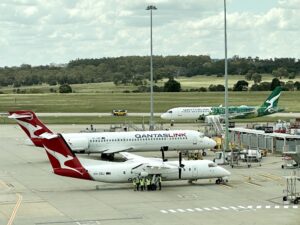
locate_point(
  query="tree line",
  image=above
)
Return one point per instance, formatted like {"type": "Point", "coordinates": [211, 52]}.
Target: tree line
{"type": "Point", "coordinates": [135, 70]}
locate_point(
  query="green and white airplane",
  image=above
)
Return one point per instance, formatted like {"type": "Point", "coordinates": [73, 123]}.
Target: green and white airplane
{"type": "Point", "coordinates": [269, 106]}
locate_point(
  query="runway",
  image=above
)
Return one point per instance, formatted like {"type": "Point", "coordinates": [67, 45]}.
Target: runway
{"type": "Point", "coordinates": [31, 194]}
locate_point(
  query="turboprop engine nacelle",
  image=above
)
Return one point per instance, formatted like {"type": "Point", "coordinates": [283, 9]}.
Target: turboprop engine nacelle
{"type": "Point", "coordinates": [144, 174]}
{"type": "Point", "coordinates": [78, 144]}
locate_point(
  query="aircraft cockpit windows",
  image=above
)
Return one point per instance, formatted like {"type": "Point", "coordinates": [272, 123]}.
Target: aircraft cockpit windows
{"type": "Point", "coordinates": [212, 165]}
{"type": "Point", "coordinates": [170, 111]}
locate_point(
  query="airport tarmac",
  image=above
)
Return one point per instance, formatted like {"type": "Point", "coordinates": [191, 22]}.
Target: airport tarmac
{"type": "Point", "coordinates": [31, 194]}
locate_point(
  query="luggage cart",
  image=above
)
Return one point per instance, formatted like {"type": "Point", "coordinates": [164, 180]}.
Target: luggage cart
{"type": "Point", "coordinates": [291, 194]}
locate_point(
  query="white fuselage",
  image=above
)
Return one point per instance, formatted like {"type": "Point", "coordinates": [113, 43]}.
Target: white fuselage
{"type": "Point", "coordinates": [186, 113]}
{"type": "Point", "coordinates": [113, 142]}
{"type": "Point", "coordinates": [124, 172]}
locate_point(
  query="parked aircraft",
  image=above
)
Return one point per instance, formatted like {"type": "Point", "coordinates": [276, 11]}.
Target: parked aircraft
{"type": "Point", "coordinates": [108, 143]}
{"type": "Point", "coordinates": [197, 113]}
{"type": "Point", "coordinates": [65, 163]}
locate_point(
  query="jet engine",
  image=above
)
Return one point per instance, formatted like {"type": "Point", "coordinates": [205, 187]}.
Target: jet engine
{"type": "Point", "coordinates": [78, 145]}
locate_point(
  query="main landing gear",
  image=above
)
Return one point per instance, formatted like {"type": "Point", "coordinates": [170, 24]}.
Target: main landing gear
{"type": "Point", "coordinates": [221, 181]}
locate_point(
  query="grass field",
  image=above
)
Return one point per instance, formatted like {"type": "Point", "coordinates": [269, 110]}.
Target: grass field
{"type": "Point", "coordinates": [137, 102]}
{"type": "Point", "coordinates": [109, 87]}
{"type": "Point", "coordinates": [103, 97]}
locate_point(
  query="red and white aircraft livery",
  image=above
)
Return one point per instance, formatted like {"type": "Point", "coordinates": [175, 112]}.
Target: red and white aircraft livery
{"type": "Point", "coordinates": [109, 143]}
{"type": "Point", "coordinates": [65, 163]}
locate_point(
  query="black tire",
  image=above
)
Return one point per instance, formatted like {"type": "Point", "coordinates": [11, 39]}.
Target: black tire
{"type": "Point", "coordinates": [284, 198]}
{"type": "Point", "coordinates": [218, 181]}
{"type": "Point", "coordinates": [296, 201]}
{"type": "Point", "coordinates": [204, 153]}
{"type": "Point", "coordinates": [282, 166]}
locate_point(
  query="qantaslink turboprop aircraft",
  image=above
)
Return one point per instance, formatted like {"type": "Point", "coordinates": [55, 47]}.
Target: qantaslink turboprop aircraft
{"type": "Point", "coordinates": [269, 106]}
{"type": "Point", "coordinates": [109, 143]}
{"type": "Point", "coordinates": [65, 163]}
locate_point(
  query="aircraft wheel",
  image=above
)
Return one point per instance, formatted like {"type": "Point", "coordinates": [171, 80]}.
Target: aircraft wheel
{"type": "Point", "coordinates": [218, 181]}
{"type": "Point", "coordinates": [296, 201]}
{"type": "Point", "coordinates": [204, 153]}
{"type": "Point", "coordinates": [284, 198]}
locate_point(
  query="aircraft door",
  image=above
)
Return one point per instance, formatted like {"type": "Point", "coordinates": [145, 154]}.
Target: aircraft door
{"type": "Point", "coordinates": [195, 171]}
{"type": "Point", "coordinates": [194, 141]}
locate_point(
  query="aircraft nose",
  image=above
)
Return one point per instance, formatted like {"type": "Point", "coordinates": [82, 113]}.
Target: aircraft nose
{"type": "Point", "coordinates": [164, 116]}
{"type": "Point", "coordinates": [226, 172]}
{"type": "Point", "coordinates": [210, 143]}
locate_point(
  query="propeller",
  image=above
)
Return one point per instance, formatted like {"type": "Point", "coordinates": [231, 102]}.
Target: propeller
{"type": "Point", "coordinates": [180, 165]}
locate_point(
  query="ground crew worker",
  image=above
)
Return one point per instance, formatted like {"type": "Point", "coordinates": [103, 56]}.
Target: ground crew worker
{"type": "Point", "coordinates": [159, 182]}
{"type": "Point", "coordinates": [137, 183]}
{"type": "Point", "coordinates": [148, 183]}
{"type": "Point", "coordinates": [134, 184]}
{"type": "Point", "coordinates": [142, 183]}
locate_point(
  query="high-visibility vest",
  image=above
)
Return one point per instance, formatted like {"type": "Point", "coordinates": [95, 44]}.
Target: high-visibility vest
{"type": "Point", "coordinates": [148, 181]}
{"type": "Point", "coordinates": [142, 181]}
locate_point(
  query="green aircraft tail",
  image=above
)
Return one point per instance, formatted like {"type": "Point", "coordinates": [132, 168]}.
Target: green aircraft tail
{"type": "Point", "coordinates": [270, 105]}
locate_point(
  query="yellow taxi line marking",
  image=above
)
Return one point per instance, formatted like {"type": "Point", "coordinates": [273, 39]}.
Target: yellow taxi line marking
{"type": "Point", "coordinates": [14, 213]}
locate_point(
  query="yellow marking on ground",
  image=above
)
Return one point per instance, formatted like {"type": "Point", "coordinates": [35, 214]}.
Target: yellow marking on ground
{"type": "Point", "coordinates": [3, 184]}
{"type": "Point", "coordinates": [14, 213]}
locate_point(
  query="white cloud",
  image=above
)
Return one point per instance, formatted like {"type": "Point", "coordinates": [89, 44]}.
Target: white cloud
{"type": "Point", "coordinates": [41, 32]}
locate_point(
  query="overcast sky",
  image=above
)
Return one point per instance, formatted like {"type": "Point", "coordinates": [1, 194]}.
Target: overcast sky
{"type": "Point", "coordinates": [40, 32]}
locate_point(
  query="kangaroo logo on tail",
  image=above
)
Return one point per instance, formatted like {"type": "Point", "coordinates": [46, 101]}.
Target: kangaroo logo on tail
{"type": "Point", "coordinates": [32, 126]}
{"type": "Point", "coordinates": [63, 161]}
{"type": "Point", "coordinates": [270, 105]}
{"type": "Point", "coordinates": [271, 102]}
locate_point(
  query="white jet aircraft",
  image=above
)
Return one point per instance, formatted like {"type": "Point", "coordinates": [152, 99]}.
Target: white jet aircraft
{"type": "Point", "coordinates": [65, 163]}
{"type": "Point", "coordinates": [109, 143]}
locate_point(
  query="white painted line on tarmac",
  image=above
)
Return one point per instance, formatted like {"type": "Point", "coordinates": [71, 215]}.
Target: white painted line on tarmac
{"type": "Point", "coordinates": [198, 209]}
{"type": "Point", "coordinates": [237, 208]}
{"type": "Point", "coordinates": [180, 210]}
{"type": "Point", "coordinates": [215, 208]}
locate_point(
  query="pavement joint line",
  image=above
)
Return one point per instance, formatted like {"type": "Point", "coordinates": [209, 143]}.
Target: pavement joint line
{"type": "Point", "coordinates": [251, 183]}
{"type": "Point", "coordinates": [14, 213]}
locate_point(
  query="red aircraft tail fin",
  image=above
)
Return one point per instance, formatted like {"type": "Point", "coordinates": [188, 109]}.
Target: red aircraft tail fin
{"type": "Point", "coordinates": [31, 124]}
{"type": "Point", "coordinates": [64, 162]}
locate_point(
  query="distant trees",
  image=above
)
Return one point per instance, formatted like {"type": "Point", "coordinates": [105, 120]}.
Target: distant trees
{"type": "Point", "coordinates": [241, 85]}
{"type": "Point", "coordinates": [65, 88]}
{"type": "Point", "coordinates": [172, 85]}
{"type": "Point", "coordinates": [135, 70]}
{"type": "Point", "coordinates": [275, 82]}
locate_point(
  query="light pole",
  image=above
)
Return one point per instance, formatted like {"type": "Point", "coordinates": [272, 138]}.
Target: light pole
{"type": "Point", "coordinates": [226, 88]}
{"type": "Point", "coordinates": [151, 125]}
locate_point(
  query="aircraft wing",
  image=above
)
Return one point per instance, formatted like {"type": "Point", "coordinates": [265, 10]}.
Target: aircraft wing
{"type": "Point", "coordinates": [117, 150]}
{"type": "Point", "coordinates": [150, 163]}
